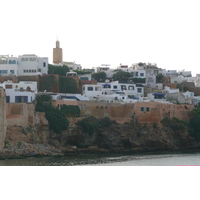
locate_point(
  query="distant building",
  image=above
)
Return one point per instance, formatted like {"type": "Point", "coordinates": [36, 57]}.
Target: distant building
{"type": "Point", "coordinates": [151, 80]}
{"type": "Point", "coordinates": [8, 65]}
{"type": "Point", "coordinates": [72, 65]}
{"type": "Point", "coordinates": [57, 54]}
{"type": "Point", "coordinates": [19, 92]}
{"type": "Point", "coordinates": [102, 68]}
{"type": "Point", "coordinates": [31, 65]}
{"type": "Point", "coordinates": [24, 65]}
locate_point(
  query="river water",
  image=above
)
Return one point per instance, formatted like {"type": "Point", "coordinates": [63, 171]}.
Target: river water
{"type": "Point", "coordinates": [108, 160]}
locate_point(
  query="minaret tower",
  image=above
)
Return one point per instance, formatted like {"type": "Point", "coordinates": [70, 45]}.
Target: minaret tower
{"type": "Point", "coordinates": [57, 53]}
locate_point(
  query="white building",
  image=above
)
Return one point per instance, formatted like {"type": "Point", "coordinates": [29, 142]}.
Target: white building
{"type": "Point", "coordinates": [85, 77]}
{"type": "Point", "coordinates": [30, 65]}
{"type": "Point", "coordinates": [185, 73]}
{"type": "Point", "coordinates": [170, 90]}
{"type": "Point", "coordinates": [8, 65]}
{"type": "Point", "coordinates": [197, 81]}
{"type": "Point", "coordinates": [24, 91]}
{"type": "Point", "coordinates": [151, 80]}
{"type": "Point", "coordinates": [169, 72]}
{"type": "Point", "coordinates": [114, 92]}
{"type": "Point", "coordinates": [178, 79]}
{"type": "Point", "coordinates": [71, 65]}
{"type": "Point", "coordinates": [138, 73]}
{"type": "Point", "coordinates": [103, 68]}
{"type": "Point", "coordinates": [25, 65]}
{"type": "Point", "coordinates": [69, 97]}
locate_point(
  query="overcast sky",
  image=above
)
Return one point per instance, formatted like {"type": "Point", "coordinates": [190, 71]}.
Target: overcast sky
{"type": "Point", "coordinates": [95, 32]}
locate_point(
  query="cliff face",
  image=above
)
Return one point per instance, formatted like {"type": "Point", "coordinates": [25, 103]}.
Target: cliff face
{"type": "Point", "coordinates": [131, 137]}
{"type": "Point", "coordinates": [127, 137]}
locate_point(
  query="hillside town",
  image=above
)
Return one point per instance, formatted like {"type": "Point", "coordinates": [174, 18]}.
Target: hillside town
{"type": "Point", "coordinates": [141, 93]}
{"type": "Point", "coordinates": [22, 78]}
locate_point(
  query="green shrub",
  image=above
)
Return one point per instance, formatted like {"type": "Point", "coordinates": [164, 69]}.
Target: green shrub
{"type": "Point", "coordinates": [90, 124]}
{"type": "Point", "coordinates": [194, 125]}
{"type": "Point", "coordinates": [71, 111]}
{"type": "Point", "coordinates": [42, 103]}
{"type": "Point", "coordinates": [57, 120]}
{"type": "Point", "coordinates": [104, 122]}
{"type": "Point", "coordinates": [60, 70]}
{"type": "Point", "coordinates": [174, 123]}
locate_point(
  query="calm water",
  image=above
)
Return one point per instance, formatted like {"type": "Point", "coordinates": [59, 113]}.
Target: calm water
{"type": "Point", "coordinates": [111, 160]}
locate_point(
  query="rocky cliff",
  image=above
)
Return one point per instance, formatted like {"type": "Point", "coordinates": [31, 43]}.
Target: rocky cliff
{"type": "Point", "coordinates": [131, 137]}
{"type": "Point", "coordinates": [127, 137]}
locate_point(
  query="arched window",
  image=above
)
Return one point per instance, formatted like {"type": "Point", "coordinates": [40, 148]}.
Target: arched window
{"type": "Point", "coordinates": [28, 89]}
{"type": "Point", "coordinates": [130, 87]}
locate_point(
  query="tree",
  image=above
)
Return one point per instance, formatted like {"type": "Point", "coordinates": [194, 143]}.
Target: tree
{"type": "Point", "coordinates": [42, 103]}
{"type": "Point", "coordinates": [82, 72]}
{"type": "Point", "coordinates": [194, 124]}
{"type": "Point", "coordinates": [100, 76]}
{"type": "Point", "coordinates": [71, 111]}
{"type": "Point", "coordinates": [60, 70]}
{"type": "Point", "coordinates": [57, 120]}
{"type": "Point", "coordinates": [159, 78]}
{"type": "Point", "coordinates": [138, 80]}
{"type": "Point", "coordinates": [122, 76]}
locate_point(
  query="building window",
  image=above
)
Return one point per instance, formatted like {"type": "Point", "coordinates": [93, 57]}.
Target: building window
{"type": "Point", "coordinates": [32, 59]}
{"type": "Point", "coordinates": [3, 71]}
{"type": "Point", "coordinates": [96, 107]}
{"type": "Point", "coordinates": [19, 99]}
{"type": "Point", "coordinates": [8, 86]}
{"type": "Point", "coordinates": [44, 64]}
{"type": "Point", "coordinates": [123, 87]}
{"type": "Point", "coordinates": [12, 61]}
{"type": "Point", "coordinates": [101, 107]}
{"type": "Point", "coordinates": [141, 74]}
{"type": "Point", "coordinates": [139, 90]}
{"type": "Point", "coordinates": [7, 99]}
{"type": "Point", "coordinates": [24, 59]}
{"type": "Point", "coordinates": [115, 87]}
{"type": "Point", "coordinates": [90, 88]}
{"type": "Point", "coordinates": [141, 108]}
{"type": "Point", "coordinates": [147, 109]}
{"type": "Point", "coordinates": [12, 71]}
{"type": "Point", "coordinates": [136, 73]}
{"type": "Point", "coordinates": [39, 70]}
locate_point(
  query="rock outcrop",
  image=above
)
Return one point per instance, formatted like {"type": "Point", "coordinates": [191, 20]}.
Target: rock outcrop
{"type": "Point", "coordinates": [127, 137]}
{"type": "Point", "coordinates": [131, 137]}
